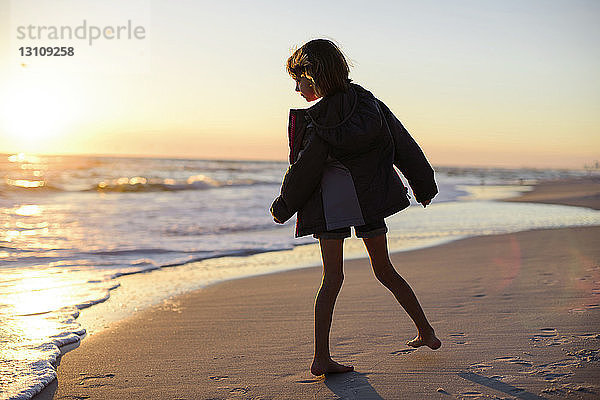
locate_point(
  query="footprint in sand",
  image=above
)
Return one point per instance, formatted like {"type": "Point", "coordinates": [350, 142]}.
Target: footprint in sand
{"type": "Point", "coordinates": [550, 282]}
{"type": "Point", "coordinates": [471, 394]}
{"type": "Point", "coordinates": [514, 360]}
{"type": "Point", "coordinates": [563, 363]}
{"type": "Point", "coordinates": [589, 336]}
{"type": "Point", "coordinates": [585, 355]}
{"type": "Point", "coordinates": [548, 337]}
{"type": "Point", "coordinates": [403, 351]}
{"type": "Point", "coordinates": [95, 380]}
{"type": "Point", "coordinates": [557, 370]}
{"type": "Point", "coordinates": [239, 390]}
{"type": "Point", "coordinates": [480, 366]}
{"type": "Point", "coordinates": [546, 333]}
{"type": "Point", "coordinates": [442, 391]}
{"type": "Point", "coordinates": [309, 381]}
{"type": "Point", "coordinates": [553, 377]}
{"type": "Point", "coordinates": [520, 361]}
{"type": "Point", "coordinates": [505, 358]}
{"type": "Point", "coordinates": [571, 388]}
{"type": "Point", "coordinates": [586, 307]}
{"type": "Point", "coordinates": [458, 337]}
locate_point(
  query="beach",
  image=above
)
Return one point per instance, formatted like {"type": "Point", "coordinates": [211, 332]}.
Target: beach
{"type": "Point", "coordinates": [518, 316]}
{"type": "Point", "coordinates": [579, 192]}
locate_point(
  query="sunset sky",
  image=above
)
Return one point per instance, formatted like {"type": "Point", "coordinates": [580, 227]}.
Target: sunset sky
{"type": "Point", "coordinates": [492, 83]}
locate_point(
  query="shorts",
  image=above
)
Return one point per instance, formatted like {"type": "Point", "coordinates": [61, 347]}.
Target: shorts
{"type": "Point", "coordinates": [364, 231]}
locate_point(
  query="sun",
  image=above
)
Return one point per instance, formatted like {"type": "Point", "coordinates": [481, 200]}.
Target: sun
{"type": "Point", "coordinates": [35, 114]}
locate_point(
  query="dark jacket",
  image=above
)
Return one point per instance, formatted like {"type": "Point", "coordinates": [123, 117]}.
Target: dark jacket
{"type": "Point", "coordinates": [357, 135]}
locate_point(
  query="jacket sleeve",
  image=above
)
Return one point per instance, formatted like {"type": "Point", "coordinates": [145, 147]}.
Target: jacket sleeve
{"type": "Point", "coordinates": [409, 159]}
{"type": "Point", "coordinates": [301, 178]}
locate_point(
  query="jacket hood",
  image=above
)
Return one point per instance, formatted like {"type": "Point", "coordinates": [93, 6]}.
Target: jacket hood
{"type": "Point", "coordinates": [346, 118]}
{"type": "Point", "coordinates": [334, 109]}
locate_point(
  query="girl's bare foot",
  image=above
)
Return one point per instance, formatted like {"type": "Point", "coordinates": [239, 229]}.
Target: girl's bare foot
{"type": "Point", "coordinates": [329, 366]}
{"type": "Point", "coordinates": [429, 340]}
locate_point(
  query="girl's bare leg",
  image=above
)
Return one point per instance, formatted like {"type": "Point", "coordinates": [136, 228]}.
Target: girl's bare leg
{"type": "Point", "coordinates": [333, 276]}
{"type": "Point", "coordinates": [387, 275]}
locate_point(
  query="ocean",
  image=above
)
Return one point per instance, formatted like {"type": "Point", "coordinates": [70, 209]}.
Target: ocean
{"type": "Point", "coordinates": [114, 235]}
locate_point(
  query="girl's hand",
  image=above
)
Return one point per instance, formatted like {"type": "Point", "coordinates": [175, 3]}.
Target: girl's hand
{"type": "Point", "coordinates": [426, 203]}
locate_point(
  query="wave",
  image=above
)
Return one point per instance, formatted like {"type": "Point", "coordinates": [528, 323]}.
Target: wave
{"type": "Point", "coordinates": [196, 230]}
{"type": "Point", "coordinates": [22, 186]}
{"type": "Point", "coordinates": [17, 250]}
{"type": "Point", "coordinates": [196, 182]}
{"type": "Point", "coordinates": [130, 252]}
{"type": "Point", "coordinates": [206, 256]}
{"type": "Point", "coordinates": [34, 361]}
{"type": "Point", "coordinates": [130, 185]}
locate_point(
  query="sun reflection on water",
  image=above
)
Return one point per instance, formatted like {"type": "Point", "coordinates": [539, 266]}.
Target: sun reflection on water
{"type": "Point", "coordinates": [42, 303]}
{"type": "Point", "coordinates": [35, 319]}
{"type": "Point", "coordinates": [25, 183]}
{"type": "Point", "coordinates": [23, 158]}
{"type": "Point", "coordinates": [31, 333]}
{"type": "Point", "coordinates": [28, 210]}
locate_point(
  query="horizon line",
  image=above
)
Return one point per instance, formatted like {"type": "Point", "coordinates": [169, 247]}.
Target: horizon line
{"type": "Point", "coordinates": [593, 167]}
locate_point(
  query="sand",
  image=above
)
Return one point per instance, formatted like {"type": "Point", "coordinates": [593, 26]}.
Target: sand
{"type": "Point", "coordinates": [518, 315]}
{"type": "Point", "coordinates": [582, 192]}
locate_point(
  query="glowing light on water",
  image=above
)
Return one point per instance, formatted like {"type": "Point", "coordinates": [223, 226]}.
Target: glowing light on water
{"type": "Point", "coordinates": [202, 178]}
{"type": "Point", "coordinates": [491, 192]}
{"type": "Point", "coordinates": [29, 210]}
{"type": "Point", "coordinates": [9, 236]}
{"type": "Point", "coordinates": [137, 180]}
{"type": "Point", "coordinates": [24, 183]}
{"type": "Point", "coordinates": [24, 158]}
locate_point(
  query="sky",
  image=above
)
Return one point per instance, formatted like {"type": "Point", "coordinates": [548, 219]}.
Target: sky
{"type": "Point", "coordinates": [477, 83]}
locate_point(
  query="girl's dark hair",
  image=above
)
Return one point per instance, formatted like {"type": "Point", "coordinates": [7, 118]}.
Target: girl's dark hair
{"type": "Point", "coordinates": [323, 63]}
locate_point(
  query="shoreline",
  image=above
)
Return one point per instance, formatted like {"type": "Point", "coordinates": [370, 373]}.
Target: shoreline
{"type": "Point", "coordinates": [314, 272]}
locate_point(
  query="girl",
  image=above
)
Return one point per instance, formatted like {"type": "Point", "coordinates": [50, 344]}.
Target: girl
{"type": "Point", "coordinates": [342, 154]}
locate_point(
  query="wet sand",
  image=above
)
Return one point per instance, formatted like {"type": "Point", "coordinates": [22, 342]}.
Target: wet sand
{"type": "Point", "coordinates": [518, 315]}
{"type": "Point", "coordinates": [583, 192]}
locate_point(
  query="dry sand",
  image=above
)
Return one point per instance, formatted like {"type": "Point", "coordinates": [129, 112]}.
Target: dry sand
{"type": "Point", "coordinates": [518, 315]}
